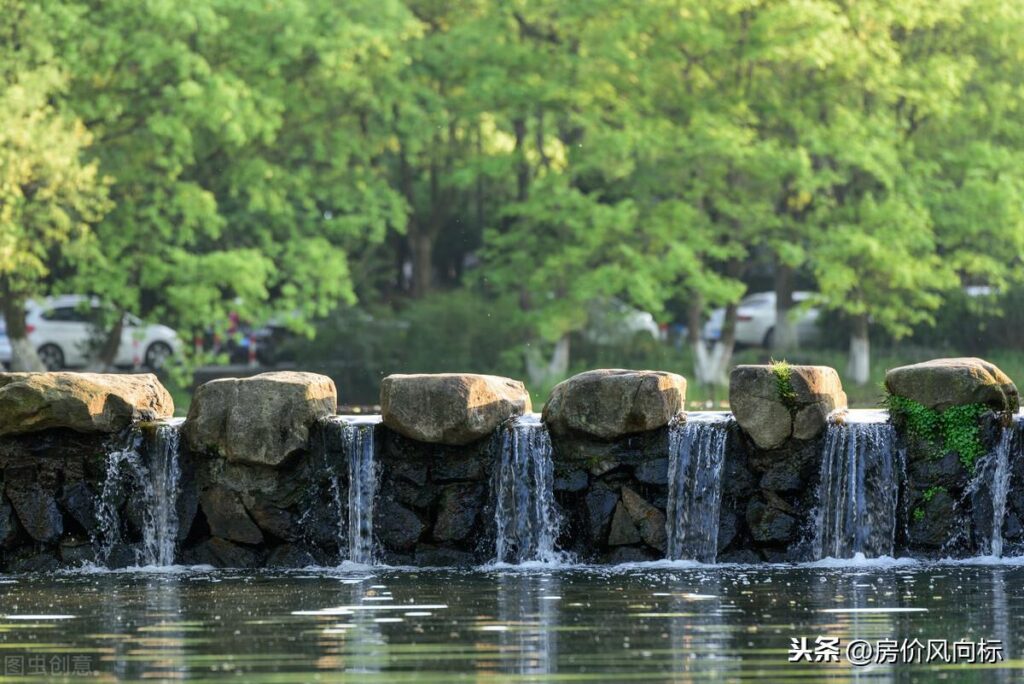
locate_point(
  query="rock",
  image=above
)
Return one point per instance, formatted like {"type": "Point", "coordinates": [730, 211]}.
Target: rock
{"type": "Point", "coordinates": [227, 517]}
{"type": "Point", "coordinates": [458, 511]}
{"type": "Point", "coordinates": [938, 519]}
{"type": "Point", "coordinates": [76, 552]}
{"type": "Point", "coordinates": [221, 553]}
{"type": "Point", "coordinates": [79, 501]}
{"type": "Point", "coordinates": [769, 524]}
{"type": "Point", "coordinates": [290, 556]}
{"type": "Point", "coordinates": [450, 408]}
{"type": "Point", "coordinates": [742, 556]}
{"type": "Point", "coordinates": [783, 477]}
{"type": "Point", "coordinates": [260, 420]}
{"type": "Point", "coordinates": [438, 557]}
{"type": "Point", "coordinates": [397, 527]}
{"type": "Point", "coordinates": [603, 467]}
{"type": "Point", "coordinates": [122, 555]}
{"type": "Point", "coordinates": [417, 496]}
{"type": "Point", "coordinates": [84, 402]}
{"type": "Point", "coordinates": [8, 525]}
{"type": "Point", "coordinates": [600, 504]}
{"type": "Point", "coordinates": [611, 403]}
{"type": "Point", "coordinates": [628, 554]}
{"type": "Point", "coordinates": [726, 529]}
{"type": "Point", "coordinates": [573, 481]}
{"type": "Point", "coordinates": [768, 418]}
{"type": "Point", "coordinates": [653, 472]}
{"type": "Point", "coordinates": [37, 511]}
{"type": "Point", "coordinates": [648, 519]}
{"type": "Point", "coordinates": [29, 559]}
{"type": "Point", "coordinates": [412, 472]}
{"type": "Point", "coordinates": [274, 521]}
{"type": "Point", "coordinates": [458, 469]}
{"type": "Point", "coordinates": [942, 383]}
{"type": "Point", "coordinates": [623, 531]}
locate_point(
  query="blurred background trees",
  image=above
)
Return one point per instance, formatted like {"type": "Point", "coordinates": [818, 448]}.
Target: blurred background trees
{"type": "Point", "coordinates": [483, 185]}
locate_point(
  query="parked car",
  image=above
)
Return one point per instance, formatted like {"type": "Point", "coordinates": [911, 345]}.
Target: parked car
{"type": "Point", "coordinates": [63, 331]}
{"type": "Point", "coordinates": [615, 322]}
{"type": "Point", "coordinates": [5, 345]}
{"type": "Point", "coordinates": [755, 320]}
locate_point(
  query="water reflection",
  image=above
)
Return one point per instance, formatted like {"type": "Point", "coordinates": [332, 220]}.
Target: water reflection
{"type": "Point", "coordinates": [527, 624]}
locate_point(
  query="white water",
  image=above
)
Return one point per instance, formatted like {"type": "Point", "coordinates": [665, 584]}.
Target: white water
{"type": "Point", "coordinates": [362, 489]}
{"type": "Point", "coordinates": [993, 476]}
{"type": "Point", "coordinates": [524, 513]}
{"type": "Point", "coordinates": [696, 458]}
{"type": "Point", "coordinates": [858, 493]}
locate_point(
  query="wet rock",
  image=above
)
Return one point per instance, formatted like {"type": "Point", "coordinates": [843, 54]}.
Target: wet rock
{"type": "Point", "coordinates": [37, 511]}
{"type": "Point", "coordinates": [648, 519]}
{"type": "Point", "coordinates": [227, 517]}
{"type": "Point", "coordinates": [84, 402]}
{"type": "Point", "coordinates": [457, 512]}
{"type": "Point", "coordinates": [8, 525]}
{"type": "Point", "coordinates": [221, 553]}
{"type": "Point", "coordinates": [770, 419]}
{"type": "Point", "coordinates": [414, 473]}
{"type": "Point", "coordinates": [737, 480]}
{"type": "Point", "coordinates": [573, 481]}
{"type": "Point", "coordinates": [942, 383]}
{"type": "Point", "coordinates": [743, 556]}
{"type": "Point", "coordinates": [460, 469]}
{"type": "Point", "coordinates": [30, 559]}
{"type": "Point", "coordinates": [79, 501]}
{"type": "Point", "coordinates": [186, 506]}
{"type": "Point", "coordinates": [946, 471]}
{"type": "Point", "coordinates": [290, 556]}
{"type": "Point", "coordinates": [783, 477]}
{"type": "Point", "coordinates": [611, 403]}
{"type": "Point", "coordinates": [260, 420]}
{"type": "Point", "coordinates": [275, 521]}
{"type": "Point", "coordinates": [628, 554]}
{"type": "Point", "coordinates": [623, 530]}
{"type": "Point", "coordinates": [450, 408]}
{"type": "Point", "coordinates": [768, 524]}
{"type": "Point", "coordinates": [726, 529]}
{"type": "Point", "coordinates": [439, 557]}
{"type": "Point", "coordinates": [600, 505]}
{"type": "Point", "coordinates": [931, 528]}
{"type": "Point", "coordinates": [417, 496]}
{"type": "Point", "coordinates": [397, 528]}
{"type": "Point", "coordinates": [122, 555]}
{"type": "Point", "coordinates": [75, 552]}
{"type": "Point", "coordinates": [603, 467]}
{"type": "Point", "coordinates": [653, 472]}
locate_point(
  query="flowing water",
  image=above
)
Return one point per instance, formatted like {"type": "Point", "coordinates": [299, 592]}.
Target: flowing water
{"type": "Point", "coordinates": [696, 458]}
{"type": "Point", "coordinates": [644, 623]}
{"type": "Point", "coordinates": [362, 488]}
{"type": "Point", "coordinates": [524, 513]}
{"type": "Point", "coordinates": [993, 476]}
{"type": "Point", "coordinates": [160, 529]}
{"type": "Point", "coordinates": [858, 494]}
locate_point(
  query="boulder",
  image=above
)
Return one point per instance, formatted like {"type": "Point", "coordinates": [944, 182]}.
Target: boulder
{"type": "Point", "coordinates": [260, 420]}
{"type": "Point", "coordinates": [457, 511]}
{"type": "Point", "coordinates": [37, 510]}
{"type": "Point", "coordinates": [84, 402]}
{"type": "Point", "coordinates": [770, 524]}
{"type": "Point", "coordinates": [397, 527]}
{"type": "Point", "coordinates": [768, 417]}
{"type": "Point", "coordinates": [611, 403]}
{"type": "Point", "coordinates": [648, 519]}
{"type": "Point", "coordinates": [942, 383]}
{"type": "Point", "coordinates": [600, 505]}
{"type": "Point", "coordinates": [623, 531]}
{"type": "Point", "coordinates": [450, 408]}
{"type": "Point", "coordinates": [227, 516]}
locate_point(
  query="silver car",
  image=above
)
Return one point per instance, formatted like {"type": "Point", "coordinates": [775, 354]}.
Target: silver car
{"type": "Point", "coordinates": [755, 320]}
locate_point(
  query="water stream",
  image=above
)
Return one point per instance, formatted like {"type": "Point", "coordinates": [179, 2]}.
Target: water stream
{"type": "Point", "coordinates": [696, 458]}
{"type": "Point", "coordinates": [524, 513]}
{"type": "Point", "coordinates": [358, 441]}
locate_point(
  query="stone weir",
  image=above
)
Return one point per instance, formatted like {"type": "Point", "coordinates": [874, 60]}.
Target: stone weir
{"type": "Point", "coordinates": [458, 471]}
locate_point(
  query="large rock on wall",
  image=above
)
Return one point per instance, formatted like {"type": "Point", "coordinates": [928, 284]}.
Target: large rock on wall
{"type": "Point", "coordinates": [942, 383]}
{"type": "Point", "coordinates": [612, 403]}
{"type": "Point", "coordinates": [84, 402]}
{"type": "Point", "coordinates": [450, 408]}
{"type": "Point", "coordinates": [261, 420]}
{"type": "Point", "coordinates": [772, 411]}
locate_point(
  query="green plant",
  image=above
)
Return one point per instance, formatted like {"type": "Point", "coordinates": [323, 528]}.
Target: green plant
{"type": "Point", "coordinates": [926, 496]}
{"type": "Point", "coordinates": [955, 429]}
{"type": "Point", "coordinates": [783, 373]}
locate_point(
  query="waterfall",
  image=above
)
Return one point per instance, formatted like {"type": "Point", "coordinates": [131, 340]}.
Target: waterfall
{"type": "Point", "coordinates": [524, 513]}
{"type": "Point", "coordinates": [144, 471]}
{"type": "Point", "coordinates": [858, 493]}
{"type": "Point", "coordinates": [358, 446]}
{"type": "Point", "coordinates": [696, 457]}
{"type": "Point", "coordinates": [993, 475]}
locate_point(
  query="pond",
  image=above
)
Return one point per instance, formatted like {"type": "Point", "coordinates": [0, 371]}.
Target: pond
{"type": "Point", "coordinates": [640, 622]}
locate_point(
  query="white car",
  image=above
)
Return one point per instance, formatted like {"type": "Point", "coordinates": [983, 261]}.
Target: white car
{"type": "Point", "coordinates": [62, 331]}
{"type": "Point", "coordinates": [755, 320]}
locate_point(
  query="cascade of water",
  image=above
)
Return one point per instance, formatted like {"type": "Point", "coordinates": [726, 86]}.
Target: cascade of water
{"type": "Point", "coordinates": [524, 513]}
{"type": "Point", "coordinates": [124, 463]}
{"type": "Point", "coordinates": [362, 488]}
{"type": "Point", "coordinates": [858, 492]}
{"type": "Point", "coordinates": [696, 457]}
{"type": "Point", "coordinates": [992, 477]}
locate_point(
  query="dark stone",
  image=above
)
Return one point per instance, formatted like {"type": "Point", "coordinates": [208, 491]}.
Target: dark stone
{"type": "Point", "coordinates": [417, 496]}
{"type": "Point", "coordinates": [769, 524]}
{"type": "Point", "coordinates": [744, 556]}
{"type": "Point", "coordinates": [222, 553]}
{"type": "Point", "coordinates": [938, 520]}
{"type": "Point", "coordinates": [737, 480]}
{"type": "Point", "coordinates": [462, 469]}
{"type": "Point", "coordinates": [457, 512]}
{"type": "Point", "coordinates": [1013, 530]}
{"type": "Point", "coordinates": [629, 554]}
{"type": "Point", "coordinates": [397, 527]}
{"type": "Point", "coordinates": [436, 557]}
{"type": "Point", "coordinates": [290, 556]}
{"type": "Point", "coordinates": [37, 510]}
{"type": "Point", "coordinates": [227, 516]}
{"type": "Point", "coordinates": [30, 559]}
{"type": "Point", "coordinates": [187, 504]}
{"type": "Point", "coordinates": [726, 528]}
{"type": "Point", "coordinates": [416, 473]}
{"type": "Point", "coordinates": [783, 477]}
{"type": "Point", "coordinates": [76, 552]}
{"type": "Point", "coordinates": [600, 505]}
{"type": "Point", "coordinates": [623, 531]}
{"type": "Point", "coordinates": [122, 556]}
{"type": "Point", "coordinates": [320, 526]}
{"type": "Point", "coordinates": [275, 521]}
{"type": "Point", "coordinates": [943, 472]}
{"type": "Point", "coordinates": [8, 525]}
{"type": "Point", "coordinates": [648, 519]}
{"type": "Point", "coordinates": [573, 481]}
{"type": "Point", "coordinates": [653, 472]}
{"type": "Point", "coordinates": [80, 502]}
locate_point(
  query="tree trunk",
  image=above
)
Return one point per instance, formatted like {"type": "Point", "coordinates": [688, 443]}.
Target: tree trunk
{"type": "Point", "coordinates": [23, 355]}
{"type": "Point", "coordinates": [422, 262]}
{"type": "Point", "coordinates": [107, 353]}
{"type": "Point", "coordinates": [859, 369]}
{"type": "Point", "coordinates": [784, 334]}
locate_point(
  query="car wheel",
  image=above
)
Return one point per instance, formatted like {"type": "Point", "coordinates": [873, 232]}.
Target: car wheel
{"type": "Point", "coordinates": [769, 338]}
{"type": "Point", "coordinates": [52, 357]}
{"type": "Point", "coordinates": [157, 355]}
